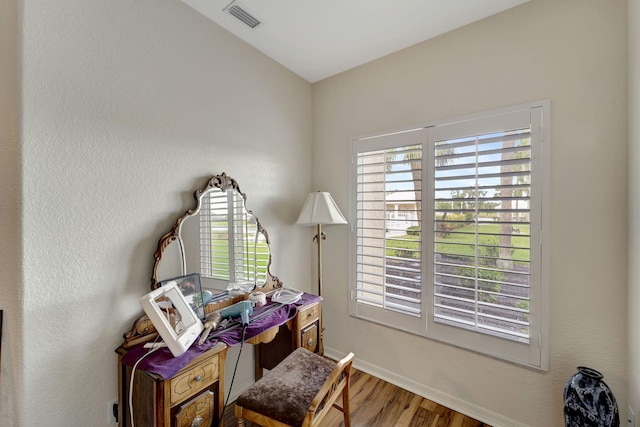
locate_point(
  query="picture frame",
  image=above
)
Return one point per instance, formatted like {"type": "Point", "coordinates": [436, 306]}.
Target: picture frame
{"type": "Point", "coordinates": [191, 289]}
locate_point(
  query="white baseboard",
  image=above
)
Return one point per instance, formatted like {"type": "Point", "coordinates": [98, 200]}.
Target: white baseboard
{"type": "Point", "coordinates": [451, 402]}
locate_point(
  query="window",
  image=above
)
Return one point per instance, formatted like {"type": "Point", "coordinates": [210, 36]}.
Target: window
{"type": "Point", "coordinates": [447, 232]}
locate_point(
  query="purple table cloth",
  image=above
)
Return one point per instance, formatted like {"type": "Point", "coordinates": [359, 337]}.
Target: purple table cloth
{"type": "Point", "coordinates": [162, 362]}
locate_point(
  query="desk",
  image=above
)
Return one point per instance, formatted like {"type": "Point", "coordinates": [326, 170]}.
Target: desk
{"type": "Point", "coordinates": [189, 390]}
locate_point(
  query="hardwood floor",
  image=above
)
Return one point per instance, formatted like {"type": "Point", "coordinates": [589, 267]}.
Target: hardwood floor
{"type": "Point", "coordinates": [376, 403]}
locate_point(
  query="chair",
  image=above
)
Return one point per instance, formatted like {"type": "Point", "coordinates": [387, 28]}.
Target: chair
{"type": "Point", "coordinates": [298, 392]}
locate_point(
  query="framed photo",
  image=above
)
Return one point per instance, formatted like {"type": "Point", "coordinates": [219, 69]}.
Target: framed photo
{"type": "Point", "coordinates": [190, 287]}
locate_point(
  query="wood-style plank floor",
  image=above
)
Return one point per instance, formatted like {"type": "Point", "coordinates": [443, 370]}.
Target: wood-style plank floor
{"type": "Point", "coordinates": [376, 403]}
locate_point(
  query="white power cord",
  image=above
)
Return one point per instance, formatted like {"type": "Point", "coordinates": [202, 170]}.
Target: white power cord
{"type": "Point", "coordinates": [131, 380]}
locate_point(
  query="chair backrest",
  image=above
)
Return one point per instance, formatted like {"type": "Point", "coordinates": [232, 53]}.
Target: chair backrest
{"type": "Point", "coordinates": [330, 390]}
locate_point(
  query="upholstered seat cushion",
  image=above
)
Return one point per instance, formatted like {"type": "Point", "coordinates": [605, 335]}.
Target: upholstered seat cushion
{"type": "Point", "coordinates": [286, 392]}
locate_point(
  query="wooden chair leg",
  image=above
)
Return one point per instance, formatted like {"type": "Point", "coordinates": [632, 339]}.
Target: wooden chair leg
{"type": "Point", "coordinates": [239, 419]}
{"type": "Point", "coordinates": [345, 406]}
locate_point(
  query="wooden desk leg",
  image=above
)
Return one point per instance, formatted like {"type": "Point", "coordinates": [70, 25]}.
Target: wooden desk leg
{"type": "Point", "coordinates": [219, 412]}
{"type": "Point", "coordinates": [257, 367]}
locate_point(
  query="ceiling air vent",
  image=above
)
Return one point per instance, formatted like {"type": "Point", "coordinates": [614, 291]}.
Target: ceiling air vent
{"type": "Point", "coordinates": [240, 12]}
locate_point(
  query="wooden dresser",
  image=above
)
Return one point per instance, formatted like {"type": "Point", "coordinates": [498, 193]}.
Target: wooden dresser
{"type": "Point", "coordinates": [194, 397]}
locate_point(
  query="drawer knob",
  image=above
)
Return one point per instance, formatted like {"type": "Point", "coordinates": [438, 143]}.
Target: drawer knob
{"type": "Point", "coordinates": [198, 378]}
{"type": "Point", "coordinates": [197, 421]}
{"type": "Point", "coordinates": [310, 342]}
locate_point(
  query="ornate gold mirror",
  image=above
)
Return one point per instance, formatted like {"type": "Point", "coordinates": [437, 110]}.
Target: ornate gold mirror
{"type": "Point", "coordinates": [219, 239]}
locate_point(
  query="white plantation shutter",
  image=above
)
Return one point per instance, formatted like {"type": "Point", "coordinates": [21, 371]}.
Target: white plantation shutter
{"type": "Point", "coordinates": [386, 208]}
{"type": "Point", "coordinates": [485, 222]}
{"type": "Point", "coordinates": [482, 190]}
{"type": "Point", "coordinates": [447, 236]}
{"type": "Point", "coordinates": [388, 250]}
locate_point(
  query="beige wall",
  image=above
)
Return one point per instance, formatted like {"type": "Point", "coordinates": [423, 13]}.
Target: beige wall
{"type": "Point", "coordinates": [127, 108]}
{"type": "Point", "coordinates": [574, 53]}
{"type": "Point", "coordinates": [10, 289]}
{"type": "Point", "coordinates": [634, 207]}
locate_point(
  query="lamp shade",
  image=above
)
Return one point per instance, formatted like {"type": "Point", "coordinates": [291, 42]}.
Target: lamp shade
{"type": "Point", "coordinates": [320, 208]}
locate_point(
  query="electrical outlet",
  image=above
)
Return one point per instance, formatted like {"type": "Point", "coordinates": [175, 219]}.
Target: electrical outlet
{"type": "Point", "coordinates": [631, 418]}
{"type": "Point", "coordinates": [112, 411]}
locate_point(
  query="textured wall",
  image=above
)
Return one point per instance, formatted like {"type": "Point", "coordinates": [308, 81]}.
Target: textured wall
{"type": "Point", "coordinates": [634, 207]}
{"type": "Point", "coordinates": [128, 108]}
{"type": "Point", "coordinates": [10, 289]}
{"type": "Point", "coordinates": [574, 53]}
{"type": "Point", "coordinates": [129, 105]}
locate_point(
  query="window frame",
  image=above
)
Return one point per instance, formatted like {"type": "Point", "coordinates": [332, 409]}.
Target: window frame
{"type": "Point", "coordinates": [535, 354]}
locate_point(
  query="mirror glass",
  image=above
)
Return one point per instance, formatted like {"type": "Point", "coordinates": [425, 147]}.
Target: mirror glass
{"type": "Point", "coordinates": [219, 239]}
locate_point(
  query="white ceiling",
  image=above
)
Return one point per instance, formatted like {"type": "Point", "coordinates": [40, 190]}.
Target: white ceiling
{"type": "Point", "coordinates": [319, 38]}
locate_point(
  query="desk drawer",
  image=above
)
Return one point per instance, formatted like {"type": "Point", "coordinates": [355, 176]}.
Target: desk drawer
{"type": "Point", "coordinates": [193, 380]}
{"type": "Point", "coordinates": [198, 412]}
{"type": "Point", "coordinates": [309, 337]}
{"type": "Point", "coordinates": [308, 315]}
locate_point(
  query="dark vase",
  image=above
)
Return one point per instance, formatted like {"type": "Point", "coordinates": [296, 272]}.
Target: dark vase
{"type": "Point", "coordinates": [588, 401]}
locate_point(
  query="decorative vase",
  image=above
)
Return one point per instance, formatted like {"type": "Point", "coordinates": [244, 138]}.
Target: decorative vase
{"type": "Point", "coordinates": [588, 401]}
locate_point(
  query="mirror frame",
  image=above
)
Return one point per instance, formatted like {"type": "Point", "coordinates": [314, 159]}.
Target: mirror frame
{"type": "Point", "coordinates": [224, 183]}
